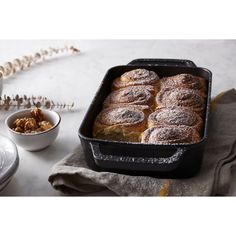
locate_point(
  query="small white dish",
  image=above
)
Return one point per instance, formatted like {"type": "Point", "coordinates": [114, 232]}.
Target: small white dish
{"type": "Point", "coordinates": [9, 161]}
{"type": "Point", "coordinates": [34, 141]}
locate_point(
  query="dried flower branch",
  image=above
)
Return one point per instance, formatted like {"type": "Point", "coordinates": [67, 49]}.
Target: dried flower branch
{"type": "Point", "coordinates": [19, 102]}
{"type": "Point", "coordinates": [19, 64]}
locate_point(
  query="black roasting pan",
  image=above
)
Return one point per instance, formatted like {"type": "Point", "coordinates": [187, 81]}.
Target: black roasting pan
{"type": "Point", "coordinates": [162, 161]}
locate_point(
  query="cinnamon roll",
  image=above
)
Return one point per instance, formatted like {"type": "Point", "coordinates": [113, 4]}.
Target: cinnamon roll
{"type": "Point", "coordinates": [175, 116]}
{"type": "Point", "coordinates": [170, 135]}
{"type": "Point", "coordinates": [120, 123]}
{"type": "Point", "coordinates": [186, 81]}
{"type": "Point", "coordinates": [182, 98]}
{"type": "Point", "coordinates": [134, 95]}
{"type": "Point", "coordinates": [136, 77]}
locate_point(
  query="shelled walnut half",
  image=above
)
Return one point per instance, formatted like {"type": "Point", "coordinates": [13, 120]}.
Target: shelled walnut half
{"type": "Point", "coordinates": [34, 124]}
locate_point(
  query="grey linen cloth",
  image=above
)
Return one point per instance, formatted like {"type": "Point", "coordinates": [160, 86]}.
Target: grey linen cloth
{"type": "Point", "coordinates": [72, 176]}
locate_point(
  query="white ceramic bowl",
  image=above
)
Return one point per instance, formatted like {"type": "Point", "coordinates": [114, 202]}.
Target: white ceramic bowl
{"type": "Point", "coordinates": [37, 141]}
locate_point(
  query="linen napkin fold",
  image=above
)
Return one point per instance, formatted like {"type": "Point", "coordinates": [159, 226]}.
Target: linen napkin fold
{"type": "Point", "coordinates": [72, 176]}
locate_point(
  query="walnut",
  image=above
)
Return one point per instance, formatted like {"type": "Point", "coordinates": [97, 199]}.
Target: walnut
{"type": "Point", "coordinates": [34, 124]}
{"type": "Point", "coordinates": [37, 114]}
{"type": "Point", "coordinates": [19, 130]}
{"type": "Point", "coordinates": [30, 124]}
{"type": "Point", "coordinates": [45, 125]}
{"type": "Point", "coordinates": [20, 122]}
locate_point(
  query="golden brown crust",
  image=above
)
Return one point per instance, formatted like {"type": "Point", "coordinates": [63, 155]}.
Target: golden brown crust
{"type": "Point", "coordinates": [133, 95]}
{"type": "Point", "coordinates": [170, 135]}
{"type": "Point", "coordinates": [136, 77]}
{"type": "Point", "coordinates": [175, 116]}
{"type": "Point", "coordinates": [185, 81]}
{"type": "Point", "coordinates": [181, 98]}
{"type": "Point", "coordinates": [120, 123]}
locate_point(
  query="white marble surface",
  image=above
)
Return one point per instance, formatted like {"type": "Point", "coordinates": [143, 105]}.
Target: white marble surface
{"type": "Point", "coordinates": [76, 78]}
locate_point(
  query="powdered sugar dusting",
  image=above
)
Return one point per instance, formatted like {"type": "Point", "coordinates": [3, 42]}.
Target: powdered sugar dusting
{"type": "Point", "coordinates": [170, 134]}
{"type": "Point", "coordinates": [181, 97]}
{"type": "Point", "coordinates": [139, 77]}
{"type": "Point", "coordinates": [121, 115]}
{"type": "Point", "coordinates": [173, 116]}
{"type": "Point", "coordinates": [134, 95]}
{"type": "Point", "coordinates": [179, 106]}
{"type": "Point", "coordinates": [184, 81]}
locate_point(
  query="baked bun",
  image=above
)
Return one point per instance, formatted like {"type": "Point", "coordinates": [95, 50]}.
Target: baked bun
{"type": "Point", "coordinates": [186, 81]}
{"type": "Point", "coordinates": [175, 116]}
{"type": "Point", "coordinates": [181, 98]}
{"type": "Point", "coordinates": [134, 95]}
{"type": "Point", "coordinates": [136, 77]}
{"type": "Point", "coordinates": [170, 135]}
{"type": "Point", "coordinates": [120, 123]}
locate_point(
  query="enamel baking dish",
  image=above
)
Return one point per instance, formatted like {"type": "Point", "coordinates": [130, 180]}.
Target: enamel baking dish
{"type": "Point", "coordinates": [162, 161]}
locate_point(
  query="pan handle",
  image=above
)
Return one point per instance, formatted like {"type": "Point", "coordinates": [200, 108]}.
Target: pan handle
{"type": "Point", "coordinates": [162, 62]}
{"type": "Point", "coordinates": [138, 163]}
